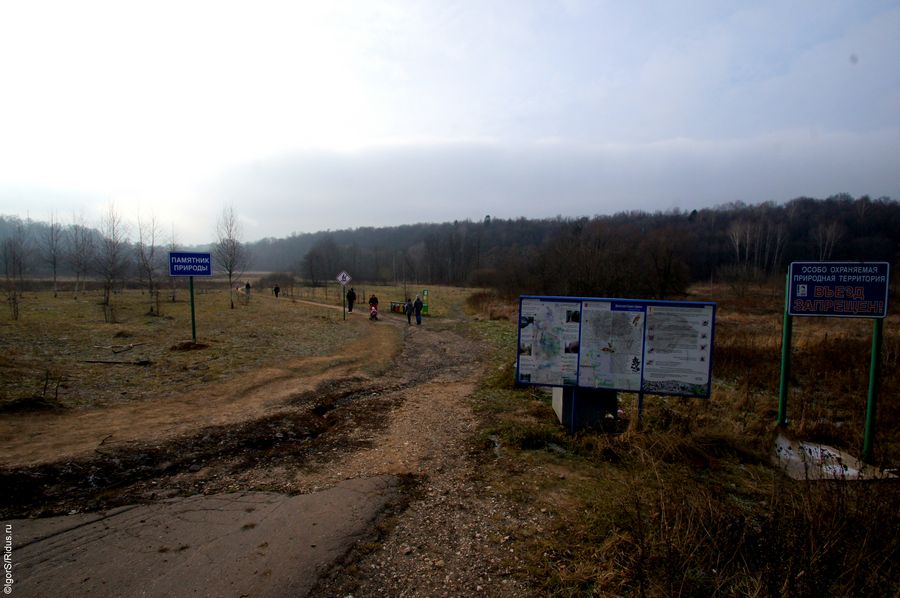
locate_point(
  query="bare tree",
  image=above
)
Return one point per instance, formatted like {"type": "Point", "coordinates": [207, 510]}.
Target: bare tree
{"type": "Point", "coordinates": [14, 252]}
{"type": "Point", "coordinates": [173, 246]}
{"type": "Point", "coordinates": [148, 258]}
{"type": "Point", "coordinates": [826, 237]}
{"type": "Point", "coordinates": [53, 247]}
{"type": "Point", "coordinates": [663, 249]}
{"type": "Point", "coordinates": [81, 250]}
{"type": "Point", "coordinates": [229, 253]}
{"type": "Point", "coordinates": [112, 256]}
{"type": "Point", "coordinates": [314, 266]}
{"type": "Point", "coordinates": [739, 235]}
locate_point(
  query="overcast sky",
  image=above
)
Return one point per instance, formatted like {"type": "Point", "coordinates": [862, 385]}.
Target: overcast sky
{"type": "Point", "coordinates": [311, 115]}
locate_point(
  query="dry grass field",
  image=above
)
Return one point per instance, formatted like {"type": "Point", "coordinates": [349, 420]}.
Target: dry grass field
{"type": "Point", "coordinates": [61, 353]}
{"type": "Point", "coordinates": [690, 505]}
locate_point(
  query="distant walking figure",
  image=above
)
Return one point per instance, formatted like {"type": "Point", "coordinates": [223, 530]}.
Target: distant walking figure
{"type": "Point", "coordinates": [351, 299]}
{"type": "Point", "coordinates": [418, 307]}
{"type": "Point", "coordinates": [276, 289]}
{"type": "Point", "coordinates": [408, 310]}
{"type": "Point", "coordinates": [373, 307]}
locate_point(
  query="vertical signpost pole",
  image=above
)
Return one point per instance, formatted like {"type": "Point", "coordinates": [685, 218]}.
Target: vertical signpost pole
{"type": "Point", "coordinates": [344, 279]}
{"type": "Point", "coordinates": [874, 378]}
{"type": "Point", "coordinates": [787, 329]}
{"type": "Point", "coordinates": [193, 319]}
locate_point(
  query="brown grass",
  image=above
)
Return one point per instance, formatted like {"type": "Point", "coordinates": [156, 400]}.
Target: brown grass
{"type": "Point", "coordinates": [691, 505]}
{"type": "Point", "coordinates": [45, 354]}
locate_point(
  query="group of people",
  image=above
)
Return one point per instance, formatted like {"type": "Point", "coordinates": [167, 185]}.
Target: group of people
{"type": "Point", "coordinates": [409, 308]}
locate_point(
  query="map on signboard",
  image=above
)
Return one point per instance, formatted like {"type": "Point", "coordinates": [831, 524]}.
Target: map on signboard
{"type": "Point", "coordinates": [548, 342]}
{"type": "Point", "coordinates": [612, 345]}
{"type": "Point", "coordinates": [659, 347]}
{"type": "Point", "coordinates": [678, 350]}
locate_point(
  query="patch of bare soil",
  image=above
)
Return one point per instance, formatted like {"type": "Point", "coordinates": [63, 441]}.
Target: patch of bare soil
{"type": "Point", "coordinates": [303, 428]}
{"type": "Point", "coordinates": [47, 437]}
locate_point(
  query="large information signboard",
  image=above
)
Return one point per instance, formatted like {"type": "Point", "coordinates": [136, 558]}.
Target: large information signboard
{"type": "Point", "coordinates": [659, 347]}
{"type": "Point", "coordinates": [838, 289]}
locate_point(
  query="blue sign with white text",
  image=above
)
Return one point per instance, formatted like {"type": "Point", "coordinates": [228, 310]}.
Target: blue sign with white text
{"type": "Point", "coordinates": [183, 263]}
{"type": "Point", "coordinates": [838, 289]}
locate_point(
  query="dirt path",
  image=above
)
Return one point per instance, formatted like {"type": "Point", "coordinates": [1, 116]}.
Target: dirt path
{"type": "Point", "coordinates": [308, 428]}
{"type": "Point", "coordinates": [451, 540]}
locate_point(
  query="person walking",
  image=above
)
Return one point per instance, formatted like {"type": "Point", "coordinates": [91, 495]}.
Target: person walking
{"type": "Point", "coordinates": [351, 299]}
{"type": "Point", "coordinates": [373, 307]}
{"type": "Point", "coordinates": [408, 310]}
{"type": "Point", "coordinates": [276, 289]}
{"type": "Point", "coordinates": [418, 307]}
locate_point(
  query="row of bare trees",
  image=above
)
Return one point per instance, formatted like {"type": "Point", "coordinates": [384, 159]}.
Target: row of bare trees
{"type": "Point", "coordinates": [105, 252]}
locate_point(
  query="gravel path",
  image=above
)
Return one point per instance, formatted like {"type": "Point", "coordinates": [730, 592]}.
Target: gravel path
{"type": "Point", "coordinates": [455, 536]}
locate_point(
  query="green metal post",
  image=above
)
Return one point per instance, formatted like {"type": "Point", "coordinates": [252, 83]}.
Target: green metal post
{"type": "Point", "coordinates": [874, 382]}
{"type": "Point", "coordinates": [787, 330]}
{"type": "Point", "coordinates": [193, 320]}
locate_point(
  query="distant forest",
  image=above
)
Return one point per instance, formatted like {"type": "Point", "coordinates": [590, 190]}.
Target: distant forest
{"type": "Point", "coordinates": [631, 253]}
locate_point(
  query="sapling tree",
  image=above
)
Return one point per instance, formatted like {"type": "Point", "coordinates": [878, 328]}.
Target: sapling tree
{"type": "Point", "coordinates": [229, 252]}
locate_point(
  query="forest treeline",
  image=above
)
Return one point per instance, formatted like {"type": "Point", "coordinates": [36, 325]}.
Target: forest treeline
{"type": "Point", "coordinates": [626, 254]}
{"type": "Point", "coordinates": [631, 253]}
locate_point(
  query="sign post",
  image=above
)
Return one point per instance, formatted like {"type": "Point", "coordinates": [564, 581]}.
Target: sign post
{"type": "Point", "coordinates": [874, 382]}
{"type": "Point", "coordinates": [786, 332]}
{"type": "Point", "coordinates": [838, 290]}
{"type": "Point", "coordinates": [183, 263]}
{"type": "Point", "coordinates": [344, 279]}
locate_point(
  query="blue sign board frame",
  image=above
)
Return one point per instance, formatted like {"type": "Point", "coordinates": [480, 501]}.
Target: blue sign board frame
{"type": "Point", "coordinates": [185, 263]}
{"type": "Point", "coordinates": [839, 289]}
{"type": "Point", "coordinates": [577, 343]}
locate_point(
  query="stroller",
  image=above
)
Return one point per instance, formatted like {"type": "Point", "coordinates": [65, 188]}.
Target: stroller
{"type": "Point", "coordinates": [373, 311]}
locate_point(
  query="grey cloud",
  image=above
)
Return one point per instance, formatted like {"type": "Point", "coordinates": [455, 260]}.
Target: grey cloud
{"type": "Point", "coordinates": [392, 185]}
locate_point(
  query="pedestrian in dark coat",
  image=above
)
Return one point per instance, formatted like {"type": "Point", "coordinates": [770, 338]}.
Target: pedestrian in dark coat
{"type": "Point", "coordinates": [351, 298]}
{"type": "Point", "coordinates": [408, 310]}
{"type": "Point", "coordinates": [418, 307]}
